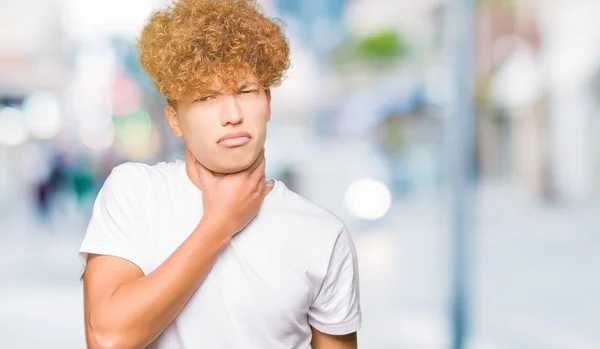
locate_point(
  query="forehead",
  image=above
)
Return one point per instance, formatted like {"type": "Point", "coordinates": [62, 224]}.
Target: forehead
{"type": "Point", "coordinates": [232, 83]}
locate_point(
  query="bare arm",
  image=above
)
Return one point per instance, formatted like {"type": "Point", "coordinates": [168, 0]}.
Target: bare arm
{"type": "Point", "coordinates": [125, 309]}
{"type": "Point", "coordinates": [322, 340]}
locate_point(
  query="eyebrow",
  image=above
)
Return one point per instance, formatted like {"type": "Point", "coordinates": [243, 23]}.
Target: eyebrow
{"type": "Point", "coordinates": [247, 84]}
{"type": "Point", "coordinates": [217, 92]}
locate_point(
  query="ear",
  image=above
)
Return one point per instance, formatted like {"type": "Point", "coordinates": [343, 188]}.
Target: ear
{"type": "Point", "coordinates": [268, 93]}
{"type": "Point", "coordinates": [171, 114]}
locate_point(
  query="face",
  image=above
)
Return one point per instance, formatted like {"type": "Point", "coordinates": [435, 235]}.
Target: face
{"type": "Point", "coordinates": [224, 130]}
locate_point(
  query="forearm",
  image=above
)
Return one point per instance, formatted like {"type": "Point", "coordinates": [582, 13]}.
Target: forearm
{"type": "Point", "coordinates": [139, 311]}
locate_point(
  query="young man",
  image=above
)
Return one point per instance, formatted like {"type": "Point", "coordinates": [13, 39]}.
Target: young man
{"type": "Point", "coordinates": [207, 253]}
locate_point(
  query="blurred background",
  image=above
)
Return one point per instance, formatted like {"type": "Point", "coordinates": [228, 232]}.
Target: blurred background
{"type": "Point", "coordinates": [365, 126]}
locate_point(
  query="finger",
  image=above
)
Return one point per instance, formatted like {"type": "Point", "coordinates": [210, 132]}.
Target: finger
{"type": "Point", "coordinates": [263, 192]}
{"type": "Point", "coordinates": [259, 171]}
{"type": "Point", "coordinates": [262, 188]}
{"type": "Point", "coordinates": [260, 184]}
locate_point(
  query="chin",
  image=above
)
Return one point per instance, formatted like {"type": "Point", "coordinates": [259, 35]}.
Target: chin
{"type": "Point", "coordinates": [235, 164]}
{"type": "Point", "coordinates": [229, 169]}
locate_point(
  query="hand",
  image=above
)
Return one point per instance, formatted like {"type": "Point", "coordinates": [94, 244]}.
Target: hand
{"type": "Point", "coordinates": [233, 200]}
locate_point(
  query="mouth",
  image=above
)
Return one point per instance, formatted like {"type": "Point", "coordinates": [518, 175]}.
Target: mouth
{"type": "Point", "coordinates": [234, 139]}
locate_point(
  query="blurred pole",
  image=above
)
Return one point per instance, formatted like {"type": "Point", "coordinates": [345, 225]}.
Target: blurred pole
{"type": "Point", "coordinates": [459, 42]}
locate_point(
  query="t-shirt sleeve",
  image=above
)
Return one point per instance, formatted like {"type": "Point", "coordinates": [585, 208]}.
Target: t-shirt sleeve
{"type": "Point", "coordinates": [121, 220]}
{"type": "Point", "coordinates": [336, 309]}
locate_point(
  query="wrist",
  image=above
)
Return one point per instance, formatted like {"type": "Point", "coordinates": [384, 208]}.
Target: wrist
{"type": "Point", "coordinates": [216, 227]}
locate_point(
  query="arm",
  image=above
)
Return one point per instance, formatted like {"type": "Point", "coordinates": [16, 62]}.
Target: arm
{"type": "Point", "coordinates": [125, 309]}
{"type": "Point", "coordinates": [322, 340]}
{"type": "Point", "coordinates": [335, 315]}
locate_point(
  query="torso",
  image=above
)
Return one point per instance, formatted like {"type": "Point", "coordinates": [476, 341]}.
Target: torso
{"type": "Point", "coordinates": [259, 290]}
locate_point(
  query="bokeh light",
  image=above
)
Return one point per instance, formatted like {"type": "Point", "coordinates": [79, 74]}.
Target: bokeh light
{"type": "Point", "coordinates": [135, 135]}
{"type": "Point", "coordinates": [13, 129]}
{"type": "Point", "coordinates": [368, 199]}
{"type": "Point", "coordinates": [43, 115]}
{"type": "Point", "coordinates": [98, 138]}
{"type": "Point", "coordinates": [127, 95]}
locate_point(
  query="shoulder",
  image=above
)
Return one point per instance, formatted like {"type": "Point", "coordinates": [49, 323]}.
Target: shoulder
{"type": "Point", "coordinates": [136, 178]}
{"type": "Point", "coordinates": [127, 177]}
{"type": "Point", "coordinates": [133, 172]}
{"type": "Point", "coordinates": [129, 171]}
{"type": "Point", "coordinates": [314, 217]}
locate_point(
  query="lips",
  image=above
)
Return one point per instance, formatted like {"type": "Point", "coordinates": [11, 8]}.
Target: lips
{"type": "Point", "coordinates": [234, 139]}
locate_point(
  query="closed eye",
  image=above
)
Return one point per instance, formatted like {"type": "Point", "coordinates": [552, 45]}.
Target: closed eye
{"type": "Point", "coordinates": [248, 91]}
{"type": "Point", "coordinates": [205, 98]}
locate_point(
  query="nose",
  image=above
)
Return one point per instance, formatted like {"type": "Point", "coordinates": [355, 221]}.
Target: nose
{"type": "Point", "coordinates": [232, 112]}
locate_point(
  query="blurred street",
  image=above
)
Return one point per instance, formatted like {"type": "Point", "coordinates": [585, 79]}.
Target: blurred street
{"type": "Point", "coordinates": [383, 111]}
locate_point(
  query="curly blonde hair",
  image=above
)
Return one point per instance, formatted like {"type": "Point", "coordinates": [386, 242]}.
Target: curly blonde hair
{"type": "Point", "coordinates": [188, 45]}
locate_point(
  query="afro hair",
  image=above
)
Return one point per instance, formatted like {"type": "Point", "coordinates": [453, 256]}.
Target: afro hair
{"type": "Point", "coordinates": [188, 45]}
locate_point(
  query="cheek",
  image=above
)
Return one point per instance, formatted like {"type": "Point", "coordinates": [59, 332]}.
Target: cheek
{"type": "Point", "coordinates": [256, 113]}
{"type": "Point", "coordinates": [196, 137]}
{"type": "Point", "coordinates": [196, 128]}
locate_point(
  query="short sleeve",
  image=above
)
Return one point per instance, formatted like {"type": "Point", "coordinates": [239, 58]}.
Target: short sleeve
{"type": "Point", "coordinates": [121, 218]}
{"type": "Point", "coordinates": [336, 309]}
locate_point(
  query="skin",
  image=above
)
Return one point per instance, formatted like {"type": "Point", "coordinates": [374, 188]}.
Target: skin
{"type": "Point", "coordinates": [201, 122]}
{"type": "Point", "coordinates": [124, 308]}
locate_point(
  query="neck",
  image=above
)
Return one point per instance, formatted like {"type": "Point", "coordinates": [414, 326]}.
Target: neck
{"type": "Point", "coordinates": [191, 171]}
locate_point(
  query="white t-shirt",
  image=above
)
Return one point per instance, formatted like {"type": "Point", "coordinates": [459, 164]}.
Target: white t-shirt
{"type": "Point", "coordinates": [293, 266]}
